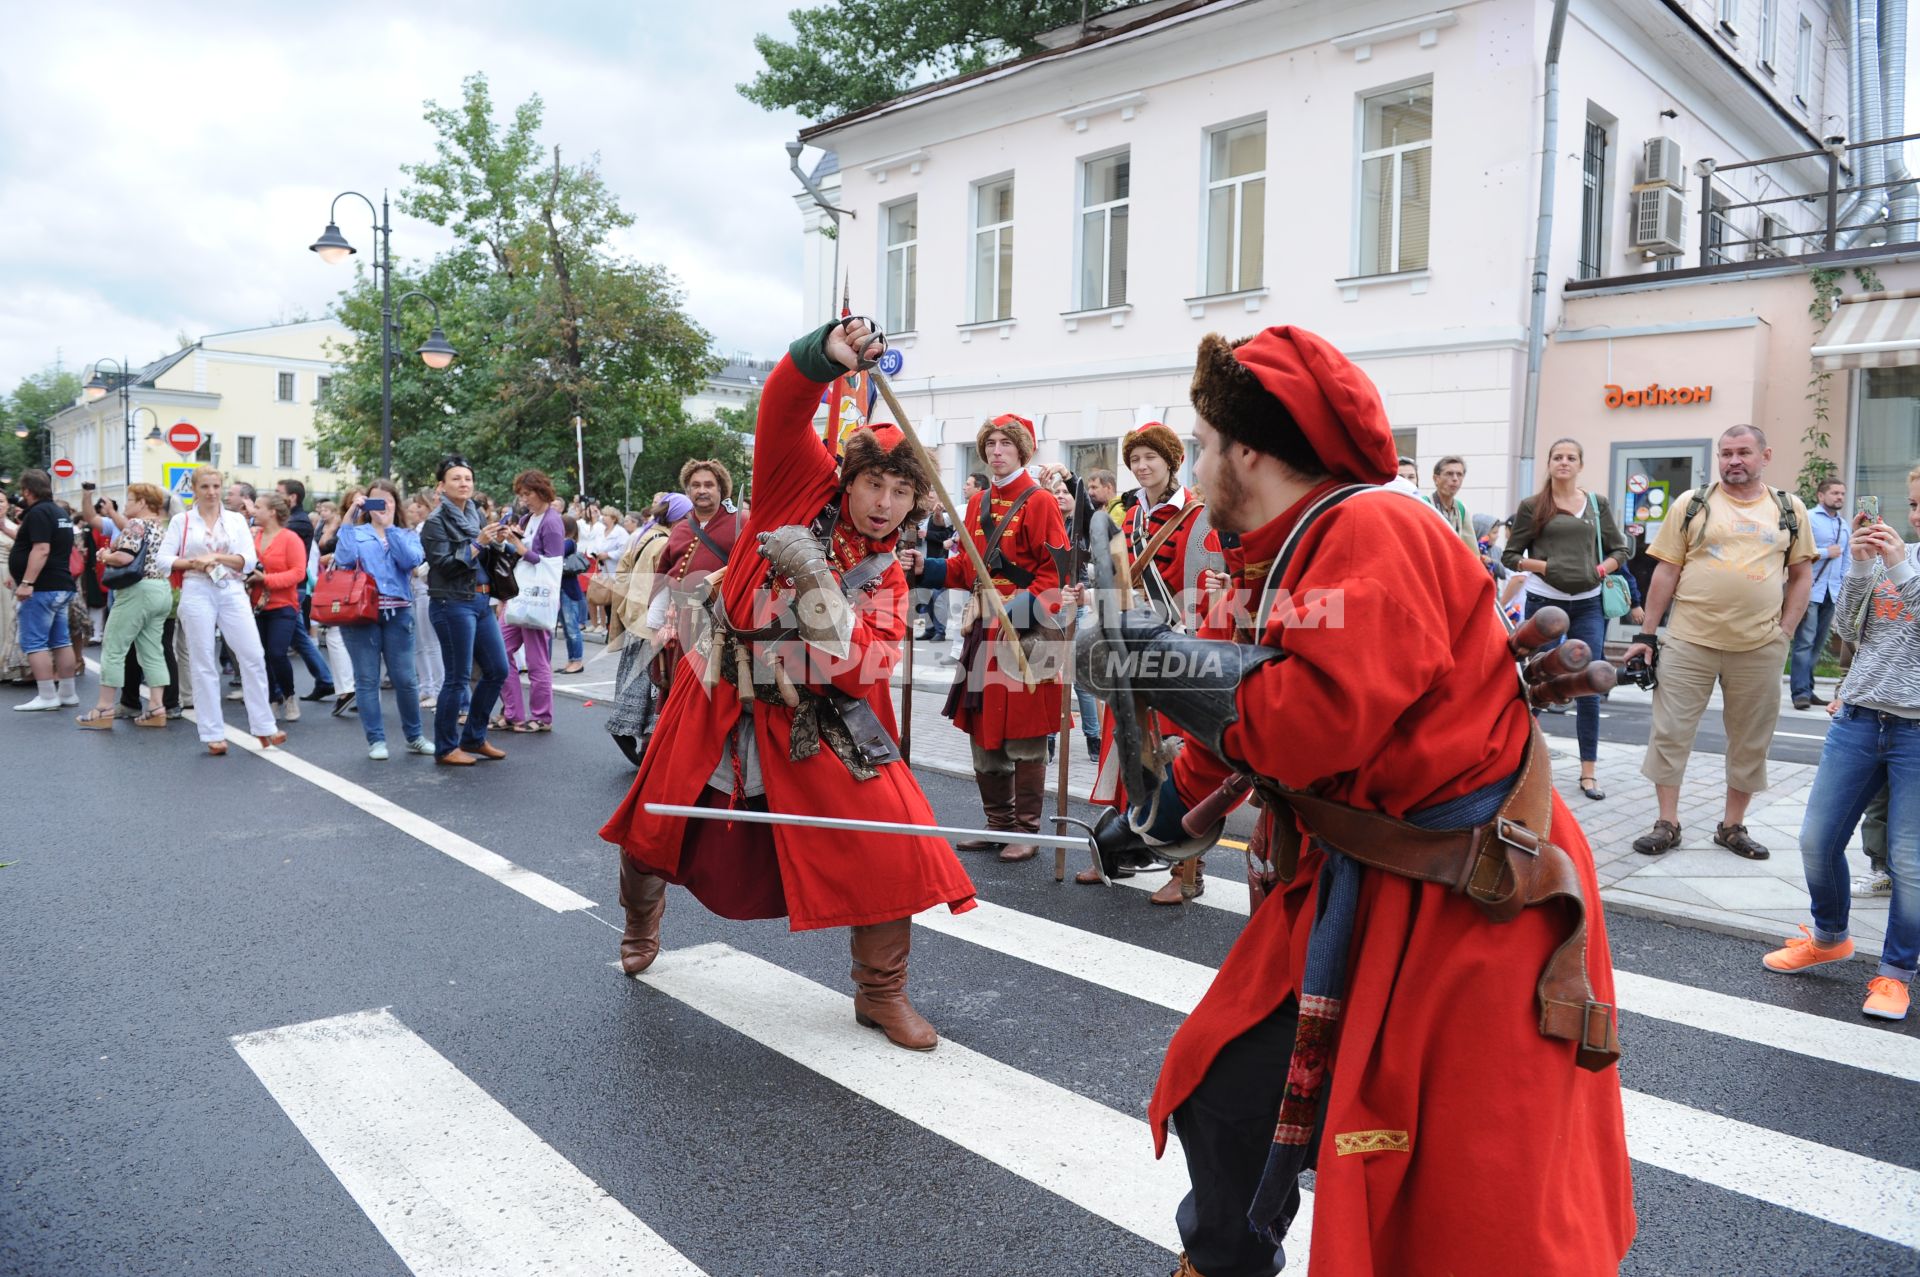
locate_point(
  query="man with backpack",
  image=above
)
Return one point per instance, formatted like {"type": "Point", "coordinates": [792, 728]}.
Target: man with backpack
{"type": "Point", "coordinates": [1736, 567]}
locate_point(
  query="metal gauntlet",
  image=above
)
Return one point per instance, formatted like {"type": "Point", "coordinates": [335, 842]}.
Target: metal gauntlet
{"type": "Point", "coordinates": [1190, 680]}
{"type": "Point", "coordinates": [821, 612]}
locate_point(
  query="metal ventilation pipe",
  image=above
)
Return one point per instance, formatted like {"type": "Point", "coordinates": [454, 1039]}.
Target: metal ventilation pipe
{"type": "Point", "coordinates": [1904, 196]}
{"type": "Point", "coordinates": [1868, 109]}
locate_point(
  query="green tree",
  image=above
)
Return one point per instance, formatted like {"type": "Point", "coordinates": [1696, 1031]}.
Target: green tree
{"type": "Point", "coordinates": [31, 403]}
{"type": "Point", "coordinates": [854, 53]}
{"type": "Point", "coordinates": [550, 322]}
{"type": "Point", "coordinates": [658, 469]}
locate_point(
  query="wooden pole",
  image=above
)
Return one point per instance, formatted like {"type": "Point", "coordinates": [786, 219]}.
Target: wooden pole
{"type": "Point", "coordinates": [982, 577]}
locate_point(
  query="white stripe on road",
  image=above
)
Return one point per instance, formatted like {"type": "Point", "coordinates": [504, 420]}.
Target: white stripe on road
{"type": "Point", "coordinates": [455, 1183]}
{"type": "Point", "coordinates": [469, 853]}
{"type": "Point", "coordinates": [1843, 1188]}
{"type": "Point", "coordinates": [1095, 1157]}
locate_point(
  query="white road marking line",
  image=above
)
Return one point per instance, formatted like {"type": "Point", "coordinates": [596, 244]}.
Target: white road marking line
{"type": "Point", "coordinates": [1827, 1183]}
{"type": "Point", "coordinates": [1835, 1041]}
{"type": "Point", "coordinates": [1843, 1188]}
{"type": "Point", "coordinates": [1095, 1157]}
{"type": "Point", "coordinates": [533, 886]}
{"type": "Point", "coordinates": [454, 1181]}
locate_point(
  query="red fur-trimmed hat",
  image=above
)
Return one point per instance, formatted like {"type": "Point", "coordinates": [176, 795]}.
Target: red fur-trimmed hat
{"type": "Point", "coordinates": [1014, 427]}
{"type": "Point", "coordinates": [1158, 437]}
{"type": "Point", "coordinates": [884, 448]}
{"type": "Point", "coordinates": [1290, 393]}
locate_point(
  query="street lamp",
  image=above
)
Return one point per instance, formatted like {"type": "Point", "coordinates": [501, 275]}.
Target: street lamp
{"type": "Point", "coordinates": [96, 389]}
{"type": "Point", "coordinates": [437, 352]}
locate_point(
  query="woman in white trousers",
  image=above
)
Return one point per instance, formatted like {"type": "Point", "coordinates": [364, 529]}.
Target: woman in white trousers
{"type": "Point", "coordinates": [212, 548]}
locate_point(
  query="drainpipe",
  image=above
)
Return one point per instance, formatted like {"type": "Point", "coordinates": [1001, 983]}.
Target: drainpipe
{"type": "Point", "coordinates": [793, 163]}
{"type": "Point", "coordinates": [1866, 206]}
{"type": "Point", "coordinates": [1903, 198]}
{"type": "Point", "coordinates": [1542, 245]}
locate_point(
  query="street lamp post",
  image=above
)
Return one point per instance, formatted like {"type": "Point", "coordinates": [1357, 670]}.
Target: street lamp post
{"type": "Point", "coordinates": [96, 388]}
{"type": "Point", "coordinates": [436, 352]}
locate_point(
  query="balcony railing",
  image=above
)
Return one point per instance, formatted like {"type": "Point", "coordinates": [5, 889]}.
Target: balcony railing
{"type": "Point", "coordinates": [1824, 237]}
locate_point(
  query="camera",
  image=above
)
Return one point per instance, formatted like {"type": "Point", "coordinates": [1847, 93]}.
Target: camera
{"type": "Point", "coordinates": [1639, 672]}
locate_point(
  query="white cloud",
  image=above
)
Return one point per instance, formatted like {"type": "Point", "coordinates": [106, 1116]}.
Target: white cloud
{"type": "Point", "coordinates": [164, 166]}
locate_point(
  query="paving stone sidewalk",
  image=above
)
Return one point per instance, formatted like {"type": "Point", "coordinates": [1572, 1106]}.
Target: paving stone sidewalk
{"type": "Point", "coordinates": [1696, 884]}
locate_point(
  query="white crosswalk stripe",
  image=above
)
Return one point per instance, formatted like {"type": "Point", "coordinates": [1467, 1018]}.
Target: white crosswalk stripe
{"type": "Point", "coordinates": [456, 1184]}
{"type": "Point", "coordinates": [1840, 1187]}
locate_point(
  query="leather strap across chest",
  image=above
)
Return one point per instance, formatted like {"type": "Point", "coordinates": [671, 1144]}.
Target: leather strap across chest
{"type": "Point", "coordinates": [991, 532]}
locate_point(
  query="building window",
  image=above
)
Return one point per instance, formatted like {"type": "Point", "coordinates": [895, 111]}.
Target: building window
{"type": "Point", "coordinates": [1730, 16]}
{"type": "Point", "coordinates": [243, 450]}
{"type": "Point", "coordinates": [1773, 233]}
{"type": "Point", "coordinates": [1593, 202]}
{"type": "Point", "coordinates": [322, 387]}
{"type": "Point", "coordinates": [903, 249]}
{"type": "Point", "coordinates": [1718, 232]}
{"type": "Point", "coordinates": [1769, 22]}
{"type": "Point", "coordinates": [1396, 174]}
{"type": "Point", "coordinates": [993, 250]}
{"type": "Point", "coordinates": [285, 394]}
{"type": "Point", "coordinates": [1105, 190]}
{"type": "Point", "coordinates": [1088, 455]}
{"type": "Point", "coordinates": [205, 454]}
{"type": "Point", "coordinates": [285, 459]}
{"type": "Point", "coordinates": [1803, 63]}
{"type": "Point", "coordinates": [1236, 207]}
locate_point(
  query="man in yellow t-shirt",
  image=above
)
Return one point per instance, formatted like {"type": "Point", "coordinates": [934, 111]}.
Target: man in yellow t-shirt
{"type": "Point", "coordinates": [1737, 573]}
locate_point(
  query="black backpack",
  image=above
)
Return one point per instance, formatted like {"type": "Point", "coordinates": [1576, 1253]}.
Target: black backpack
{"type": "Point", "coordinates": [1789, 516]}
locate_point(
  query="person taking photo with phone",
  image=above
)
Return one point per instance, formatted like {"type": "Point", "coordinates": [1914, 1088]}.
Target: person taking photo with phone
{"type": "Point", "coordinates": [386, 549]}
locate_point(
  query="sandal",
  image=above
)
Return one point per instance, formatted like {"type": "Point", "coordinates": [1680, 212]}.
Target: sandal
{"type": "Point", "coordinates": [1662, 838]}
{"type": "Point", "coordinates": [1736, 840]}
{"type": "Point", "coordinates": [1591, 788]}
{"type": "Point", "coordinates": [218, 748]}
{"type": "Point", "coordinates": [522, 728]}
{"type": "Point", "coordinates": [96, 720]}
{"type": "Point", "coordinates": [499, 723]}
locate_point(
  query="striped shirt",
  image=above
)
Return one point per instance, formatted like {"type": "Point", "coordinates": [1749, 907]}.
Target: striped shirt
{"type": "Point", "coordinates": [1880, 609]}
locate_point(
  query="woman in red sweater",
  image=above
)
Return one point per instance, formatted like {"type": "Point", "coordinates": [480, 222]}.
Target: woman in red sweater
{"type": "Point", "coordinates": [283, 566]}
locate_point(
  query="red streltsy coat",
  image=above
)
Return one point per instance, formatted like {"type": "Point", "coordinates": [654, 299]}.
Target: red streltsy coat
{"type": "Point", "coordinates": [1401, 697]}
{"type": "Point", "coordinates": [831, 878]}
{"type": "Point", "coordinates": [1009, 710]}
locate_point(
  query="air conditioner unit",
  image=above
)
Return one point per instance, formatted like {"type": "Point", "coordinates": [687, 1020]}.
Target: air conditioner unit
{"type": "Point", "coordinates": [1659, 221]}
{"type": "Point", "coordinates": [1660, 161]}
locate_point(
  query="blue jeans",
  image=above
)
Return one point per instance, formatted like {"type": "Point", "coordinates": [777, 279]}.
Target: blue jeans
{"type": "Point", "coordinates": [1808, 640]}
{"type": "Point", "coordinates": [391, 637]}
{"type": "Point", "coordinates": [43, 621]}
{"type": "Point", "coordinates": [276, 625]}
{"type": "Point", "coordinates": [573, 616]}
{"type": "Point", "coordinates": [1588, 623]}
{"type": "Point", "coordinates": [1865, 751]}
{"type": "Point", "coordinates": [467, 633]}
{"type": "Point", "coordinates": [309, 652]}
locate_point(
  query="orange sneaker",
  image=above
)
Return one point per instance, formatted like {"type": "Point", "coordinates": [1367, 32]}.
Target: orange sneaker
{"type": "Point", "coordinates": [1886, 999]}
{"type": "Point", "coordinates": [1804, 952]}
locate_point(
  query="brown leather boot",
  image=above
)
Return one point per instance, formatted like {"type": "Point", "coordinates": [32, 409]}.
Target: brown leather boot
{"type": "Point", "coordinates": [996, 801]}
{"type": "Point", "coordinates": [644, 897]}
{"type": "Point", "coordinates": [1029, 798]}
{"type": "Point", "coordinates": [880, 972]}
{"type": "Point", "coordinates": [1174, 892]}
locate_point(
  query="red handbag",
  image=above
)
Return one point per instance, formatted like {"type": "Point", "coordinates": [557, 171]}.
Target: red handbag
{"type": "Point", "coordinates": [345, 596]}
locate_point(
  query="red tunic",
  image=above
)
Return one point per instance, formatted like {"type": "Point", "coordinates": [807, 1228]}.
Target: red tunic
{"type": "Point", "coordinates": [829, 878]}
{"type": "Point", "coordinates": [1009, 710]}
{"type": "Point", "coordinates": [1401, 698]}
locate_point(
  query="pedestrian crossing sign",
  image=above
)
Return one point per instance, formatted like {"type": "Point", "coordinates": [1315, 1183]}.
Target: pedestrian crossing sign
{"type": "Point", "coordinates": [180, 480]}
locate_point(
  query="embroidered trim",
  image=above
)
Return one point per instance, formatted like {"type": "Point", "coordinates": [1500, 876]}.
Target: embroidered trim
{"type": "Point", "coordinates": [1348, 1142]}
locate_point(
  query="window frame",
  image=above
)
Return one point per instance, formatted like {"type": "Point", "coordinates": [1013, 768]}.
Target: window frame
{"type": "Point", "coordinates": [291, 382]}
{"type": "Point", "coordinates": [1595, 200]}
{"type": "Point", "coordinates": [1080, 210]}
{"type": "Point", "coordinates": [908, 322]}
{"type": "Point", "coordinates": [1728, 14]}
{"type": "Point", "coordinates": [245, 449]}
{"type": "Point", "coordinates": [1362, 155]}
{"type": "Point", "coordinates": [1003, 306]}
{"type": "Point", "coordinates": [286, 453]}
{"type": "Point", "coordinates": [1769, 31]}
{"type": "Point", "coordinates": [1717, 248]}
{"type": "Point", "coordinates": [322, 387]}
{"type": "Point", "coordinates": [1803, 61]}
{"type": "Point", "coordinates": [1208, 185]}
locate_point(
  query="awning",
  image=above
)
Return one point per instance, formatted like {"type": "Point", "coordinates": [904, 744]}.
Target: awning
{"type": "Point", "coordinates": [1872, 330]}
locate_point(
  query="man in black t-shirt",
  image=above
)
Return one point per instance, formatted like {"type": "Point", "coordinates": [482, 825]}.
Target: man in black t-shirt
{"type": "Point", "coordinates": [40, 575]}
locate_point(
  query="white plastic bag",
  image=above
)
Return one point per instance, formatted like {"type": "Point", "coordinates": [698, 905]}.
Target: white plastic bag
{"type": "Point", "coordinates": [537, 606]}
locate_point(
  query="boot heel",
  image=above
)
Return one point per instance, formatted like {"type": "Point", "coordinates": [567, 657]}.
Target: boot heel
{"type": "Point", "coordinates": [865, 1021]}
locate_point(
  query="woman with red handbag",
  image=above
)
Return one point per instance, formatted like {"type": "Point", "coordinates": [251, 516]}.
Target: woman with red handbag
{"type": "Point", "coordinates": [209, 551]}
{"type": "Point", "coordinates": [378, 542]}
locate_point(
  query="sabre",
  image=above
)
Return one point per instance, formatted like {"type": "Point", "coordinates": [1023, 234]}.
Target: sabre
{"type": "Point", "coordinates": [949, 832]}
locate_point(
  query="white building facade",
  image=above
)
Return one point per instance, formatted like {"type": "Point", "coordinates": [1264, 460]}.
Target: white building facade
{"type": "Point", "coordinates": [1053, 236]}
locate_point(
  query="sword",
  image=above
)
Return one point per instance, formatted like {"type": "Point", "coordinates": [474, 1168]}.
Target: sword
{"type": "Point", "coordinates": [949, 832]}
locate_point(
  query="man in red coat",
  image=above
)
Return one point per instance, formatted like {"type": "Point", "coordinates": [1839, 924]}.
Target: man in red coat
{"type": "Point", "coordinates": [1459, 1107]}
{"type": "Point", "coordinates": [697, 546]}
{"type": "Point", "coordinates": [766, 714]}
{"type": "Point", "coordinates": [1015, 525]}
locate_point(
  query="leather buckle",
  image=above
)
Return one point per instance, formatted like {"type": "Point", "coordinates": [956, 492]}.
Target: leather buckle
{"type": "Point", "coordinates": [1519, 837]}
{"type": "Point", "coordinates": [1596, 1026]}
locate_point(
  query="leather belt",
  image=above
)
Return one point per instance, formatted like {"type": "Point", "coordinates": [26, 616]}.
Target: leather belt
{"type": "Point", "coordinates": [1504, 866]}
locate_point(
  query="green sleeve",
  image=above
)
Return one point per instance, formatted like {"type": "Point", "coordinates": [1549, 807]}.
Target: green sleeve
{"type": "Point", "coordinates": [809, 355]}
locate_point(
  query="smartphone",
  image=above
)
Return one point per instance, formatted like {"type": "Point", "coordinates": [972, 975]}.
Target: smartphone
{"type": "Point", "coordinates": [1869, 507]}
{"type": "Point", "coordinates": [87, 487]}
{"type": "Point", "coordinates": [374, 503]}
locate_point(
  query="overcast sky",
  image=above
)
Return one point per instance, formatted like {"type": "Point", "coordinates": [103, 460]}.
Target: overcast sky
{"type": "Point", "coordinates": [164, 165]}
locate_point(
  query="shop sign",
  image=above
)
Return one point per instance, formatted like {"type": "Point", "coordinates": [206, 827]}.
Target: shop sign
{"type": "Point", "coordinates": [1657, 395]}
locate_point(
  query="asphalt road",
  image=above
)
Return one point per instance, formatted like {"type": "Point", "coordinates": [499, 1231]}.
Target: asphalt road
{"type": "Point", "coordinates": [162, 903]}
